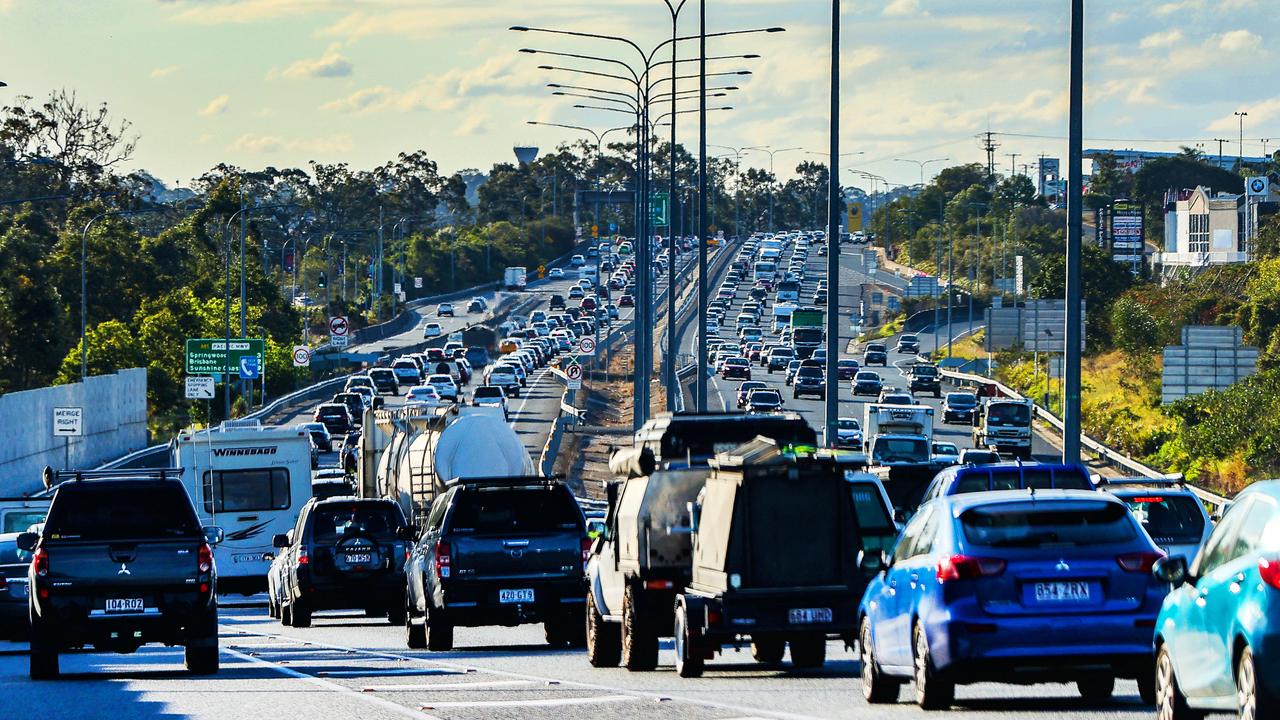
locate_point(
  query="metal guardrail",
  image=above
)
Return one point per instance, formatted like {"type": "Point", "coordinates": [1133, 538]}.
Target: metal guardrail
{"type": "Point", "coordinates": [1106, 453]}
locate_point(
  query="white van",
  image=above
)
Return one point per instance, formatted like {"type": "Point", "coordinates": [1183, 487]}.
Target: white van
{"type": "Point", "coordinates": [250, 480]}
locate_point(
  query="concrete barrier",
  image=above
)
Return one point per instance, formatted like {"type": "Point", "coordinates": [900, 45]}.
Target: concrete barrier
{"type": "Point", "coordinates": [114, 411]}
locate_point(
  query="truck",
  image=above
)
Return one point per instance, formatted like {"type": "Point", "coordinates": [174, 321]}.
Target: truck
{"type": "Point", "coordinates": [782, 316]}
{"type": "Point", "coordinates": [426, 448]}
{"type": "Point", "coordinates": [121, 561]}
{"type": "Point", "coordinates": [1005, 426]}
{"type": "Point", "coordinates": [785, 542]}
{"type": "Point", "coordinates": [898, 434]}
{"type": "Point", "coordinates": [251, 480]}
{"type": "Point", "coordinates": [515, 278]}
{"type": "Point", "coordinates": [807, 334]}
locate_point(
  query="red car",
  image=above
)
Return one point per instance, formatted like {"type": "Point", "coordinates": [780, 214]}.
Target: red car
{"type": "Point", "coordinates": [626, 301]}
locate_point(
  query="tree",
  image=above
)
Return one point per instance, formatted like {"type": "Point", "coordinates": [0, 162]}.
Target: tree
{"type": "Point", "coordinates": [1136, 330]}
{"type": "Point", "coordinates": [1104, 281]}
{"type": "Point", "coordinates": [83, 143]}
{"type": "Point", "coordinates": [32, 317]}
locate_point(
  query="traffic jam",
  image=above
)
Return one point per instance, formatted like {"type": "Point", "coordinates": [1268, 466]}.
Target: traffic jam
{"type": "Point", "coordinates": [925, 542]}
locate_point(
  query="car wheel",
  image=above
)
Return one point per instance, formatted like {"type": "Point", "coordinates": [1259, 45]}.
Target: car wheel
{"type": "Point", "coordinates": [1171, 704]}
{"type": "Point", "coordinates": [639, 639]}
{"type": "Point", "coordinates": [1096, 688]}
{"type": "Point", "coordinates": [809, 651]}
{"type": "Point", "coordinates": [1253, 702]}
{"type": "Point", "coordinates": [43, 654]}
{"type": "Point", "coordinates": [301, 615]}
{"type": "Point", "coordinates": [876, 688]}
{"type": "Point", "coordinates": [439, 630]}
{"type": "Point", "coordinates": [604, 639]}
{"type": "Point", "coordinates": [415, 634]}
{"type": "Point", "coordinates": [933, 692]}
{"type": "Point", "coordinates": [768, 649]}
{"type": "Point", "coordinates": [396, 614]}
{"type": "Point", "coordinates": [201, 660]}
{"type": "Point", "coordinates": [687, 664]}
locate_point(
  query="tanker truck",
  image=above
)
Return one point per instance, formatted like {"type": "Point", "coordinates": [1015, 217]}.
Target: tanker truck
{"type": "Point", "coordinates": [426, 447]}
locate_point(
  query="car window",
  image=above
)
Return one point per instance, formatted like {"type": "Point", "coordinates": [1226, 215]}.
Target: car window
{"type": "Point", "coordinates": [496, 512]}
{"type": "Point", "coordinates": [907, 541]}
{"type": "Point", "coordinates": [331, 521]}
{"type": "Point", "coordinates": [1065, 526]}
{"type": "Point", "coordinates": [109, 512]}
{"type": "Point", "coordinates": [1251, 532]}
{"type": "Point", "coordinates": [1168, 518]}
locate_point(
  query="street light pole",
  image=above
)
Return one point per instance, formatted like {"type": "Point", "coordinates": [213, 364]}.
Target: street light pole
{"type": "Point", "coordinates": [700, 387]}
{"type": "Point", "coordinates": [771, 153]}
{"type": "Point", "coordinates": [1071, 369]}
{"type": "Point", "coordinates": [1240, 156]}
{"type": "Point", "coordinates": [833, 237]}
{"type": "Point", "coordinates": [669, 357]}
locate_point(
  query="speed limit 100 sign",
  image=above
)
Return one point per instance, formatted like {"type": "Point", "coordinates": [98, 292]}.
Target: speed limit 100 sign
{"type": "Point", "coordinates": [587, 346]}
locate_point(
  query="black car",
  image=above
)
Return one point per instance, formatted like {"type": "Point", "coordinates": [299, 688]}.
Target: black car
{"type": "Point", "coordinates": [960, 407]}
{"type": "Point", "coordinates": [876, 354]}
{"type": "Point", "coordinates": [745, 389]}
{"type": "Point", "coordinates": [384, 381]}
{"type": "Point", "coordinates": [867, 382]}
{"type": "Point", "coordinates": [14, 564]}
{"type": "Point", "coordinates": [809, 381]}
{"type": "Point", "coordinates": [557, 302]}
{"type": "Point", "coordinates": [344, 552]}
{"type": "Point", "coordinates": [925, 378]}
{"type": "Point", "coordinates": [499, 551]}
{"type": "Point", "coordinates": [120, 562]}
{"type": "Point", "coordinates": [764, 401]}
{"type": "Point", "coordinates": [336, 417]}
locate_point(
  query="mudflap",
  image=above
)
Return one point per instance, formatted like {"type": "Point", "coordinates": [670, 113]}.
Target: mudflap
{"type": "Point", "coordinates": [700, 645]}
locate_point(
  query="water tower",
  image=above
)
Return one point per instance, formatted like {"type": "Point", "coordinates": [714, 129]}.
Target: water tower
{"type": "Point", "coordinates": [526, 154]}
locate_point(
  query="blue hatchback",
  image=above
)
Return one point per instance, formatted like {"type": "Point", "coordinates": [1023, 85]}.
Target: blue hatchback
{"type": "Point", "coordinates": [1015, 586]}
{"type": "Point", "coordinates": [1217, 639]}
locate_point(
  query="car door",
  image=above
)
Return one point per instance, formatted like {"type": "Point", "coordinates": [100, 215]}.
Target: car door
{"type": "Point", "coordinates": [892, 628]}
{"type": "Point", "coordinates": [1193, 651]}
{"type": "Point", "coordinates": [612, 584]}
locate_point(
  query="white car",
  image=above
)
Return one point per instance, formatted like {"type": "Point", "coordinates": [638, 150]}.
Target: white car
{"type": "Point", "coordinates": [504, 376]}
{"type": "Point", "coordinates": [445, 386]}
{"type": "Point", "coordinates": [555, 273]}
{"type": "Point", "coordinates": [577, 261]}
{"type": "Point", "coordinates": [490, 396]}
{"type": "Point", "coordinates": [424, 396]}
{"type": "Point", "coordinates": [946, 452]}
{"type": "Point", "coordinates": [432, 330]}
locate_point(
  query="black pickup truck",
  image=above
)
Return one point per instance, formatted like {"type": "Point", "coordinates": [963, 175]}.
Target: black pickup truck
{"type": "Point", "coordinates": [122, 561]}
{"type": "Point", "coordinates": [499, 551]}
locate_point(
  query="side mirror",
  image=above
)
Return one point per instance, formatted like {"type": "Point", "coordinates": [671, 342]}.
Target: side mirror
{"type": "Point", "coordinates": [595, 529]}
{"type": "Point", "coordinates": [27, 541]}
{"type": "Point", "coordinates": [872, 562]}
{"type": "Point", "coordinates": [1172, 570]}
{"type": "Point", "coordinates": [214, 534]}
{"type": "Point", "coordinates": [280, 541]}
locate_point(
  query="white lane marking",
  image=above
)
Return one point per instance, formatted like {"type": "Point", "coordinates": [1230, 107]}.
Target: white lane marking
{"type": "Point", "coordinates": [549, 702]}
{"type": "Point", "coordinates": [389, 672]}
{"type": "Point", "coordinates": [526, 394]}
{"type": "Point", "coordinates": [542, 679]}
{"type": "Point", "coordinates": [333, 687]}
{"type": "Point", "coordinates": [481, 685]}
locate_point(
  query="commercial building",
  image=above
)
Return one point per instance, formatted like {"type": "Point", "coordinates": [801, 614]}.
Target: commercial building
{"type": "Point", "coordinates": [1202, 229]}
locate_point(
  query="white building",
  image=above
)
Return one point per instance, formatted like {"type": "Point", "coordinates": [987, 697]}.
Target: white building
{"type": "Point", "coordinates": [1202, 229]}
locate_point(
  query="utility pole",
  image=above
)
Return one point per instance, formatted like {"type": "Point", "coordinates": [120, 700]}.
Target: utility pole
{"type": "Point", "coordinates": [1240, 157]}
{"type": "Point", "coordinates": [1013, 164]}
{"type": "Point", "coordinates": [700, 388]}
{"type": "Point", "coordinates": [990, 145]}
{"type": "Point", "coordinates": [1220, 142]}
{"type": "Point", "coordinates": [833, 236]}
{"type": "Point", "coordinates": [1074, 284]}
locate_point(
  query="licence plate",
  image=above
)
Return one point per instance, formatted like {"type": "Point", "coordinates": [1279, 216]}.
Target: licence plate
{"type": "Point", "coordinates": [803, 616]}
{"type": "Point", "coordinates": [246, 557]}
{"type": "Point", "coordinates": [359, 558]}
{"type": "Point", "coordinates": [124, 605]}
{"type": "Point", "coordinates": [1062, 591]}
{"type": "Point", "coordinates": [515, 596]}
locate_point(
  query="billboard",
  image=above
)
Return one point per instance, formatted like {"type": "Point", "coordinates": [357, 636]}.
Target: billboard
{"type": "Point", "coordinates": [1127, 227]}
{"type": "Point", "coordinates": [1049, 171]}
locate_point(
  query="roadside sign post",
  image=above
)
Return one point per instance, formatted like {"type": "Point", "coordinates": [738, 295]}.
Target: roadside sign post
{"type": "Point", "coordinates": [200, 387]}
{"type": "Point", "coordinates": [68, 422]}
{"type": "Point", "coordinates": [339, 331]}
{"type": "Point", "coordinates": [417, 283]}
{"type": "Point", "coordinates": [301, 356]}
{"type": "Point", "coordinates": [211, 356]}
{"type": "Point", "coordinates": [573, 372]}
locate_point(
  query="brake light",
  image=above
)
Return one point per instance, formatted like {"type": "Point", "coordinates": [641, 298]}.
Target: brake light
{"type": "Point", "coordinates": [1269, 570]}
{"type": "Point", "coordinates": [1139, 562]}
{"type": "Point", "coordinates": [40, 562]}
{"type": "Point", "coordinates": [443, 559]}
{"type": "Point", "coordinates": [204, 558]}
{"type": "Point", "coordinates": [586, 552]}
{"type": "Point", "coordinates": [965, 567]}
{"type": "Point", "coordinates": [303, 559]}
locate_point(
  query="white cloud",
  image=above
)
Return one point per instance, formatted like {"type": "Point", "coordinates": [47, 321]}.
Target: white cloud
{"type": "Point", "coordinates": [1178, 6]}
{"type": "Point", "coordinates": [330, 65]}
{"type": "Point", "coordinates": [254, 144]}
{"type": "Point", "coordinates": [1238, 40]}
{"type": "Point", "coordinates": [499, 74]}
{"type": "Point", "coordinates": [1261, 113]}
{"type": "Point", "coordinates": [165, 71]}
{"type": "Point", "coordinates": [474, 125]}
{"type": "Point", "coordinates": [903, 8]}
{"type": "Point", "coordinates": [366, 100]}
{"type": "Point", "coordinates": [216, 106]}
{"type": "Point", "coordinates": [1168, 38]}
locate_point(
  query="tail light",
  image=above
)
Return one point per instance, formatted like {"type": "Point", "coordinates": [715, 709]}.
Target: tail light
{"type": "Point", "coordinates": [303, 558]}
{"type": "Point", "coordinates": [204, 558]}
{"type": "Point", "coordinates": [714, 617]}
{"type": "Point", "coordinates": [1139, 562]}
{"type": "Point", "coordinates": [1269, 570]}
{"type": "Point", "coordinates": [965, 567]}
{"type": "Point", "coordinates": [444, 559]}
{"type": "Point", "coordinates": [586, 552]}
{"type": "Point", "coordinates": [40, 562]}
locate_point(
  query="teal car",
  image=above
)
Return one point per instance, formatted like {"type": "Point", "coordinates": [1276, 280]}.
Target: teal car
{"type": "Point", "coordinates": [1217, 636]}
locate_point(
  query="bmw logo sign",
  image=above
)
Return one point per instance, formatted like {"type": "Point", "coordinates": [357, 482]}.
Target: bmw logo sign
{"type": "Point", "coordinates": [1258, 185]}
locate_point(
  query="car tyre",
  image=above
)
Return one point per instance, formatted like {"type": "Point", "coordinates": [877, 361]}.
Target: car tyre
{"type": "Point", "coordinates": [639, 639]}
{"type": "Point", "coordinates": [439, 630]}
{"type": "Point", "coordinates": [877, 689]}
{"type": "Point", "coordinates": [933, 692]}
{"type": "Point", "coordinates": [1096, 688]}
{"type": "Point", "coordinates": [201, 659]}
{"type": "Point", "coordinates": [809, 651]}
{"type": "Point", "coordinates": [301, 615]}
{"type": "Point", "coordinates": [1253, 702]}
{"type": "Point", "coordinates": [768, 649]}
{"type": "Point", "coordinates": [415, 633]}
{"type": "Point", "coordinates": [43, 655]}
{"type": "Point", "coordinates": [688, 665]}
{"type": "Point", "coordinates": [397, 614]}
{"type": "Point", "coordinates": [1171, 703]}
{"type": "Point", "coordinates": [604, 639]}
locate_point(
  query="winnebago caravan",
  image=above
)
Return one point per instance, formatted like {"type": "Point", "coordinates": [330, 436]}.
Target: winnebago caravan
{"type": "Point", "coordinates": [251, 481]}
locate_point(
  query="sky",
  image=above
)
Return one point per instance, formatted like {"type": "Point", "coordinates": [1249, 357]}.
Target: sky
{"type": "Point", "coordinates": [258, 83]}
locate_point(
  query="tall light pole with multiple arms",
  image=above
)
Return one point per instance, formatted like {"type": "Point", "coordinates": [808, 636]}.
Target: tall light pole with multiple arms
{"type": "Point", "coordinates": [771, 153]}
{"type": "Point", "coordinates": [833, 236]}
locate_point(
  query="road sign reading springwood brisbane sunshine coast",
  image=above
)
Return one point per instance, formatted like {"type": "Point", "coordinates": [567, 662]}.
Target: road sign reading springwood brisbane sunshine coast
{"type": "Point", "coordinates": [210, 356]}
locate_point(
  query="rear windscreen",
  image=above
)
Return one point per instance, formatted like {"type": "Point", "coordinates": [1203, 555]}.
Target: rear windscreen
{"type": "Point", "coordinates": [1024, 478]}
{"type": "Point", "coordinates": [501, 511]}
{"type": "Point", "coordinates": [114, 512]}
{"type": "Point", "coordinates": [1168, 519]}
{"type": "Point", "coordinates": [330, 522]}
{"type": "Point", "coordinates": [1033, 527]}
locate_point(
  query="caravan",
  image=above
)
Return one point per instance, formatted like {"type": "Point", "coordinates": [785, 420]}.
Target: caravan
{"type": "Point", "coordinates": [251, 481]}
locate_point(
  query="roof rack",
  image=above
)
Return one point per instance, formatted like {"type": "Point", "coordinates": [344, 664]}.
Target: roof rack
{"type": "Point", "coordinates": [53, 478]}
{"type": "Point", "coordinates": [1174, 479]}
{"type": "Point", "coordinates": [515, 480]}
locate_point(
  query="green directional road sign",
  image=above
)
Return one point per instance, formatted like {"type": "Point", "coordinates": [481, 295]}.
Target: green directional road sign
{"type": "Point", "coordinates": [209, 356]}
{"type": "Point", "coordinates": [659, 209]}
